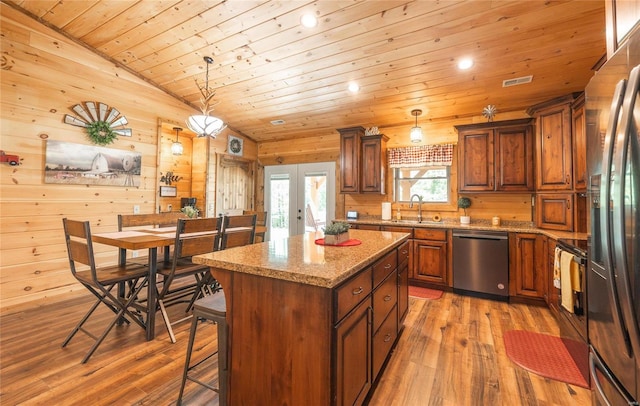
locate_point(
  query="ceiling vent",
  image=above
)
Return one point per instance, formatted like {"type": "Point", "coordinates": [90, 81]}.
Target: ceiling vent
{"type": "Point", "coordinates": [277, 122]}
{"type": "Point", "coordinates": [517, 81]}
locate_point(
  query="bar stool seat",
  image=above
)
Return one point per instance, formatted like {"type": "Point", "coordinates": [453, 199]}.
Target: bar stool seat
{"type": "Point", "coordinates": [213, 308]}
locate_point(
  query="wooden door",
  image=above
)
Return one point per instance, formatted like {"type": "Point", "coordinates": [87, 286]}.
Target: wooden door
{"type": "Point", "coordinates": [430, 261]}
{"type": "Point", "coordinates": [527, 271]}
{"type": "Point", "coordinates": [553, 148]}
{"type": "Point", "coordinates": [372, 164]}
{"type": "Point", "coordinates": [554, 211]}
{"type": "Point", "coordinates": [354, 356]}
{"type": "Point", "coordinates": [514, 159]}
{"type": "Point", "coordinates": [579, 145]}
{"type": "Point", "coordinates": [475, 160]}
{"type": "Point", "coordinates": [350, 159]}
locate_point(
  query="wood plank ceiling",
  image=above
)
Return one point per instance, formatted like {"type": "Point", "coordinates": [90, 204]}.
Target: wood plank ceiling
{"type": "Point", "coordinates": [403, 55]}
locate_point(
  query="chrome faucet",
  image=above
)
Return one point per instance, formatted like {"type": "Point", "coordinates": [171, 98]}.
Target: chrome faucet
{"type": "Point", "coordinates": [419, 206]}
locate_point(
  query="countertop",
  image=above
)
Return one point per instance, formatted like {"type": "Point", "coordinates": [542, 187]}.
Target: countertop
{"type": "Point", "coordinates": [506, 226]}
{"type": "Point", "coordinates": [299, 259]}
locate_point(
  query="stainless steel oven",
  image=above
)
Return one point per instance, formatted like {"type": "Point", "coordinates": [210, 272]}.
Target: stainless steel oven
{"type": "Point", "coordinates": [573, 325]}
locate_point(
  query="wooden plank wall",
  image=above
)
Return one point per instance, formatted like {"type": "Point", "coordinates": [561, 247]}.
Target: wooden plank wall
{"type": "Point", "coordinates": [43, 75]}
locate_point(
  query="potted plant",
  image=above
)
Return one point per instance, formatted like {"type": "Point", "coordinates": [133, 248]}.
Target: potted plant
{"type": "Point", "coordinates": [336, 233]}
{"type": "Point", "coordinates": [190, 211]}
{"type": "Point", "coordinates": [464, 203]}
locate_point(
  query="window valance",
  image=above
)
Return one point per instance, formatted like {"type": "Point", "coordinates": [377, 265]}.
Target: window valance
{"type": "Point", "coordinates": [422, 155]}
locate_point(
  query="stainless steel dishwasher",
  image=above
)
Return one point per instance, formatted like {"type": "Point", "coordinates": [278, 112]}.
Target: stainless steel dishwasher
{"type": "Point", "coordinates": [481, 263]}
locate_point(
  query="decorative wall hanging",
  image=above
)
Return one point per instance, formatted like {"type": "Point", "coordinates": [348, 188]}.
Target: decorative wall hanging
{"type": "Point", "coordinates": [100, 121]}
{"type": "Point", "coordinates": [168, 191]}
{"type": "Point", "coordinates": [78, 164]}
{"type": "Point", "coordinates": [489, 112]}
{"type": "Point", "coordinates": [168, 178]}
{"type": "Point", "coordinates": [235, 145]}
{"type": "Point", "coordinates": [11, 159]}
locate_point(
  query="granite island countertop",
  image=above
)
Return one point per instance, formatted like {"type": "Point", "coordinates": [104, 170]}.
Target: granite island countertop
{"type": "Point", "coordinates": [299, 259]}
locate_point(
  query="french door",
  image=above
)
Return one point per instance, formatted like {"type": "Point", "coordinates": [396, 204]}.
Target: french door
{"type": "Point", "coordinates": [299, 198]}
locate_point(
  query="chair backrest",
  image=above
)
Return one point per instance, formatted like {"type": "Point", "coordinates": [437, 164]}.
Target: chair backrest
{"type": "Point", "coordinates": [154, 219]}
{"type": "Point", "coordinates": [197, 236]}
{"type": "Point", "coordinates": [261, 216]}
{"type": "Point", "coordinates": [238, 231]}
{"type": "Point", "coordinates": [77, 235]}
{"type": "Point", "coordinates": [310, 220]}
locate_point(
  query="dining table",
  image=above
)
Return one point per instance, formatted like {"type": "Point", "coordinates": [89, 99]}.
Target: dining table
{"type": "Point", "coordinates": [139, 240]}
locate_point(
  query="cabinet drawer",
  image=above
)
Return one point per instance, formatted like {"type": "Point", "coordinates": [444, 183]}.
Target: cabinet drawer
{"type": "Point", "coordinates": [430, 234]}
{"type": "Point", "coordinates": [383, 340]}
{"type": "Point", "coordinates": [395, 229]}
{"type": "Point", "coordinates": [348, 295]}
{"type": "Point", "coordinates": [384, 267]}
{"type": "Point", "coordinates": [403, 253]}
{"type": "Point", "coordinates": [384, 299]}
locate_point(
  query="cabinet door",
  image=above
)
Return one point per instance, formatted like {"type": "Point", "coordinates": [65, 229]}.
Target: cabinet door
{"type": "Point", "coordinates": [475, 160]}
{"type": "Point", "coordinates": [430, 261]}
{"type": "Point", "coordinates": [553, 293]}
{"type": "Point", "coordinates": [349, 159]}
{"type": "Point", "coordinates": [354, 356]}
{"type": "Point", "coordinates": [555, 211]}
{"type": "Point", "coordinates": [579, 145]}
{"type": "Point", "coordinates": [514, 159]}
{"type": "Point", "coordinates": [553, 148]}
{"type": "Point", "coordinates": [527, 270]}
{"type": "Point", "coordinates": [372, 164]}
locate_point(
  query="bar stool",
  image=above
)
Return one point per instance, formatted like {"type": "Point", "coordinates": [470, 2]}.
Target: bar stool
{"type": "Point", "coordinates": [214, 308]}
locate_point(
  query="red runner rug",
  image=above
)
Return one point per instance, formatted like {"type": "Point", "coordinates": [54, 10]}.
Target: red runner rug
{"type": "Point", "coordinates": [543, 355]}
{"type": "Point", "coordinates": [424, 293]}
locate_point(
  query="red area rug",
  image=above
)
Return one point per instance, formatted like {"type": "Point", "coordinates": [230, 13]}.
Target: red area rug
{"type": "Point", "coordinates": [424, 293]}
{"type": "Point", "coordinates": [543, 355]}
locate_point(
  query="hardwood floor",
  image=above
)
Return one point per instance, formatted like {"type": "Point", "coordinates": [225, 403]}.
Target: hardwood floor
{"type": "Point", "coordinates": [450, 353]}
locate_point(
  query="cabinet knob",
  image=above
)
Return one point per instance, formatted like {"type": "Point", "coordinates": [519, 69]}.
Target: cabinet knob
{"type": "Point", "coordinates": [387, 298]}
{"type": "Point", "coordinates": [388, 266]}
{"type": "Point", "coordinates": [387, 338]}
{"type": "Point", "coordinates": [357, 291]}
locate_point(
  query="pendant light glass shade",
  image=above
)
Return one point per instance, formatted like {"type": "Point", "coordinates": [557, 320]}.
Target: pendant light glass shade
{"type": "Point", "coordinates": [176, 147]}
{"type": "Point", "coordinates": [205, 124]}
{"type": "Point", "coordinates": [416, 132]}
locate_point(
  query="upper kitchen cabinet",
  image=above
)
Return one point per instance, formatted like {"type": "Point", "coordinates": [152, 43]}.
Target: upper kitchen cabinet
{"type": "Point", "coordinates": [621, 16]}
{"type": "Point", "coordinates": [362, 161]}
{"type": "Point", "coordinates": [579, 144]}
{"type": "Point", "coordinates": [496, 156]}
{"type": "Point", "coordinates": [553, 144]}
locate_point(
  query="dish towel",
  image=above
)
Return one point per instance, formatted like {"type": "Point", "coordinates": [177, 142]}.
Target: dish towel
{"type": "Point", "coordinates": [568, 268]}
{"type": "Point", "coordinates": [556, 268]}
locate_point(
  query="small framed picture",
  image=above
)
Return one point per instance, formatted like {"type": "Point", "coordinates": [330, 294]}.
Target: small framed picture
{"type": "Point", "coordinates": [235, 146]}
{"type": "Point", "coordinates": [168, 191]}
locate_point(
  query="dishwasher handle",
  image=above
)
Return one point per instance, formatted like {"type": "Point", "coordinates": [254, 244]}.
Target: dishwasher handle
{"type": "Point", "coordinates": [480, 236]}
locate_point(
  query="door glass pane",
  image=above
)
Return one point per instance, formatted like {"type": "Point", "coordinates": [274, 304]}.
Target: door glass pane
{"type": "Point", "coordinates": [315, 201]}
{"type": "Point", "coordinates": [279, 226]}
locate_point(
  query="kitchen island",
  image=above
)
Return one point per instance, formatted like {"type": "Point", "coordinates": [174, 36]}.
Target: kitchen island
{"type": "Point", "coordinates": [311, 324]}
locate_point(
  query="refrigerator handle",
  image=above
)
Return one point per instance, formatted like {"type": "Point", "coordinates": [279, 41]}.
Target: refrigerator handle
{"type": "Point", "coordinates": [626, 151]}
{"type": "Point", "coordinates": [606, 241]}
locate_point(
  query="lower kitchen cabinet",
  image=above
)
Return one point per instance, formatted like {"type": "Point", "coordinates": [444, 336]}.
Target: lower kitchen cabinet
{"type": "Point", "coordinates": [354, 356]}
{"type": "Point", "coordinates": [553, 293]}
{"type": "Point", "coordinates": [527, 267]}
{"type": "Point", "coordinates": [431, 263]}
{"type": "Point", "coordinates": [404, 258]}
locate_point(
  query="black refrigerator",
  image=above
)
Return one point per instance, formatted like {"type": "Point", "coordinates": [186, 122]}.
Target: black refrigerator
{"type": "Point", "coordinates": [613, 278]}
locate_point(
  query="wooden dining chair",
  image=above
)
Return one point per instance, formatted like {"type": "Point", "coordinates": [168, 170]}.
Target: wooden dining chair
{"type": "Point", "coordinates": [261, 224]}
{"type": "Point", "coordinates": [238, 230]}
{"type": "Point", "coordinates": [193, 237]}
{"type": "Point", "coordinates": [100, 281]}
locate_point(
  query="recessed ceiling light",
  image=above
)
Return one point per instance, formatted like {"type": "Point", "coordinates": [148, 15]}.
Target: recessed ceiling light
{"type": "Point", "coordinates": [309, 20]}
{"type": "Point", "coordinates": [354, 87]}
{"type": "Point", "coordinates": [277, 122]}
{"type": "Point", "coordinates": [465, 63]}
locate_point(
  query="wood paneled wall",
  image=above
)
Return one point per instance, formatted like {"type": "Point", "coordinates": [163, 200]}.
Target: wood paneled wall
{"type": "Point", "coordinates": [43, 75]}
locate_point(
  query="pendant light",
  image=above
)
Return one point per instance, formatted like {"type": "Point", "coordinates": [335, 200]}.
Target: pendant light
{"type": "Point", "coordinates": [205, 124]}
{"type": "Point", "coordinates": [176, 147]}
{"type": "Point", "coordinates": [416, 132]}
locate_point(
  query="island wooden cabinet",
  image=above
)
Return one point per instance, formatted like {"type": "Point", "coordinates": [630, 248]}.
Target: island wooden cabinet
{"type": "Point", "coordinates": [496, 156]}
{"type": "Point", "coordinates": [404, 257]}
{"type": "Point", "coordinates": [362, 161]}
{"type": "Point", "coordinates": [431, 257]}
{"type": "Point", "coordinates": [527, 267]}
